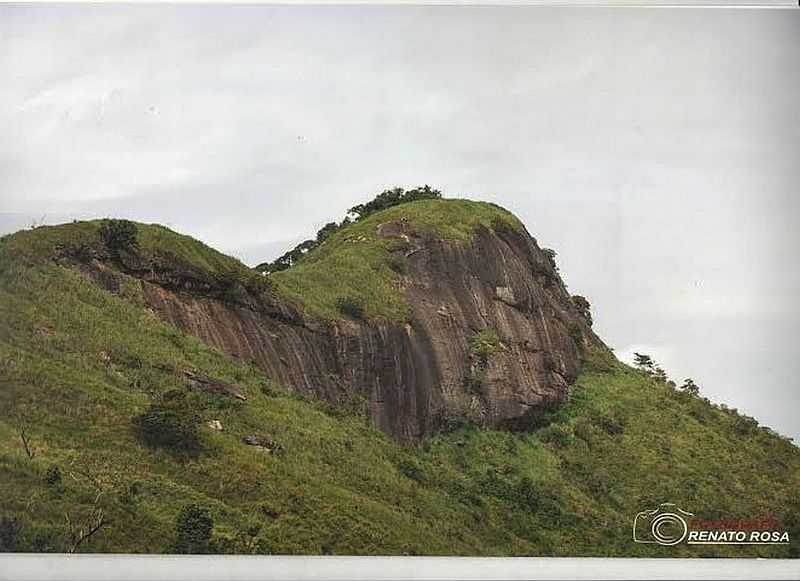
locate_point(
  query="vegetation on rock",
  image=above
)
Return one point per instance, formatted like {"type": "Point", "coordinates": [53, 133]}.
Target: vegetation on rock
{"type": "Point", "coordinates": [350, 307]}
{"type": "Point", "coordinates": [483, 345]}
{"type": "Point", "coordinates": [356, 263]}
{"type": "Point", "coordinates": [584, 308]}
{"type": "Point", "coordinates": [384, 200]}
{"type": "Point", "coordinates": [120, 237]}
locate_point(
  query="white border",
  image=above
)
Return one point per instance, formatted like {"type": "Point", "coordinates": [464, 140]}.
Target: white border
{"type": "Point", "coordinates": [546, 3]}
{"type": "Point", "coordinates": [25, 567]}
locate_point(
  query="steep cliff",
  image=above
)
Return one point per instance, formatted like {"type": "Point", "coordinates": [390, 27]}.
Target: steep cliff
{"type": "Point", "coordinates": [488, 332]}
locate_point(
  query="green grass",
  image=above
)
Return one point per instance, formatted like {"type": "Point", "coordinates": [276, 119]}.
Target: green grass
{"type": "Point", "coordinates": [78, 363]}
{"type": "Point", "coordinates": [154, 239]}
{"type": "Point", "coordinates": [45, 243]}
{"type": "Point", "coordinates": [355, 263]}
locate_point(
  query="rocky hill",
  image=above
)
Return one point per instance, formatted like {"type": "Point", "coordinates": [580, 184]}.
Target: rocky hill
{"type": "Point", "coordinates": [420, 381]}
{"type": "Point", "coordinates": [474, 322]}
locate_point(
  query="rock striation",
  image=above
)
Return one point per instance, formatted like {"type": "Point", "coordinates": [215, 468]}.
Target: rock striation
{"type": "Point", "coordinates": [418, 375]}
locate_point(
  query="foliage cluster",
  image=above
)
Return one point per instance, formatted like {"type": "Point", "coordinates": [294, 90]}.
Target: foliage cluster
{"type": "Point", "coordinates": [351, 307]}
{"type": "Point", "coordinates": [393, 197]}
{"type": "Point", "coordinates": [383, 201]}
{"type": "Point", "coordinates": [484, 344]}
{"type": "Point", "coordinates": [193, 530]}
{"type": "Point", "coordinates": [120, 237]}
{"type": "Point", "coordinates": [550, 255]}
{"type": "Point", "coordinates": [235, 285]}
{"type": "Point", "coordinates": [170, 422]}
{"type": "Point", "coordinates": [583, 307]}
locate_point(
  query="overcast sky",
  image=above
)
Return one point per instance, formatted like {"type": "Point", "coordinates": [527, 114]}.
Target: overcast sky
{"type": "Point", "coordinates": [657, 150]}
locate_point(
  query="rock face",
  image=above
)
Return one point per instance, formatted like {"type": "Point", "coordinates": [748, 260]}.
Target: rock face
{"type": "Point", "coordinates": [500, 281]}
{"type": "Point", "coordinates": [417, 375]}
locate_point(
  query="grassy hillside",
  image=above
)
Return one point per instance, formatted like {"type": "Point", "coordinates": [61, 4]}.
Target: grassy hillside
{"type": "Point", "coordinates": [357, 265]}
{"type": "Point", "coordinates": [155, 241]}
{"type": "Point", "coordinates": [78, 364]}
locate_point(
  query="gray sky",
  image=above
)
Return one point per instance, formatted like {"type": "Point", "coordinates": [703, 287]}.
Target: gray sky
{"type": "Point", "coordinates": [656, 150]}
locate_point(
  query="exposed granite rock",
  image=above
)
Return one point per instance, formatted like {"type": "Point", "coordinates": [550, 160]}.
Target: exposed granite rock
{"type": "Point", "coordinates": [214, 386]}
{"type": "Point", "coordinates": [263, 441]}
{"type": "Point", "coordinates": [418, 374]}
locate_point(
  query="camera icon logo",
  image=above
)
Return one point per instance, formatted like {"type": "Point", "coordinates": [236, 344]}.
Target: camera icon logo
{"type": "Point", "coordinates": [665, 525]}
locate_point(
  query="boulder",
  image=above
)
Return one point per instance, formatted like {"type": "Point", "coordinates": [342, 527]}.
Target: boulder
{"type": "Point", "coordinates": [263, 441]}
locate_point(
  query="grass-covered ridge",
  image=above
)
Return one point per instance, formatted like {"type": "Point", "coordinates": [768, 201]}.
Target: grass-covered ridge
{"type": "Point", "coordinates": [79, 364]}
{"type": "Point", "coordinates": [142, 249]}
{"type": "Point", "coordinates": [356, 265]}
{"type": "Point", "coordinates": [155, 241]}
{"type": "Point", "coordinates": [353, 273]}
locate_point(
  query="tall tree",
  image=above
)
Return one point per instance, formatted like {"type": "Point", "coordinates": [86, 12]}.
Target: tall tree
{"type": "Point", "coordinates": [644, 362]}
{"type": "Point", "coordinates": [689, 386]}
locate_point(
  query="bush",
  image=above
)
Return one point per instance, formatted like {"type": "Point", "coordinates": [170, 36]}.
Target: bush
{"type": "Point", "coordinates": [351, 307]}
{"type": "Point", "coordinates": [53, 476]}
{"type": "Point", "coordinates": [550, 255]}
{"type": "Point", "coordinates": [410, 468]}
{"type": "Point", "coordinates": [557, 435]}
{"type": "Point", "coordinates": [130, 495]}
{"type": "Point", "coordinates": [690, 387]}
{"type": "Point", "coordinates": [584, 308]}
{"type": "Point", "coordinates": [327, 231]}
{"type": "Point", "coordinates": [44, 541]}
{"type": "Point", "coordinates": [288, 259]}
{"type": "Point", "coordinates": [233, 285]}
{"type": "Point", "coordinates": [169, 423]}
{"type": "Point", "coordinates": [393, 197]}
{"type": "Point", "coordinates": [700, 411]}
{"type": "Point", "coordinates": [448, 421]}
{"type": "Point", "coordinates": [526, 494]}
{"type": "Point", "coordinates": [244, 542]}
{"type": "Point", "coordinates": [610, 425]}
{"type": "Point", "coordinates": [230, 285]}
{"type": "Point", "coordinates": [10, 530]}
{"type": "Point", "coordinates": [474, 380]}
{"type": "Point", "coordinates": [384, 200]}
{"type": "Point", "coordinates": [494, 484]}
{"type": "Point", "coordinates": [745, 425]}
{"type": "Point", "coordinates": [661, 376]}
{"type": "Point", "coordinates": [257, 284]}
{"type": "Point", "coordinates": [575, 333]}
{"type": "Point", "coordinates": [81, 252]}
{"type": "Point", "coordinates": [483, 345]}
{"type": "Point", "coordinates": [398, 263]}
{"type": "Point", "coordinates": [643, 362]}
{"type": "Point", "coordinates": [120, 236]}
{"type": "Point", "coordinates": [193, 527]}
